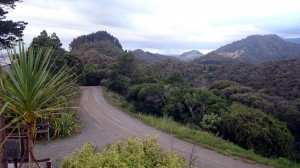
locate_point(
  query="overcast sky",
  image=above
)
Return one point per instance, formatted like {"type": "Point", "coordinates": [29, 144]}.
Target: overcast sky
{"type": "Point", "coordinates": [164, 26]}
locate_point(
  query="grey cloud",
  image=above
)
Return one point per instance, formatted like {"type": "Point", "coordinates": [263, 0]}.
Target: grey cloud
{"type": "Point", "coordinates": [113, 13]}
{"type": "Point", "coordinates": [164, 43]}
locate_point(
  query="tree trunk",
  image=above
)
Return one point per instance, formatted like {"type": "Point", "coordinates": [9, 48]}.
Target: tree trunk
{"type": "Point", "coordinates": [30, 146]}
{"type": "Point", "coordinates": [191, 110]}
{"type": "Point", "coordinates": [3, 162]}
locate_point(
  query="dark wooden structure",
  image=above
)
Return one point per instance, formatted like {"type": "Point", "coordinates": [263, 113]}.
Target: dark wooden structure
{"type": "Point", "coordinates": [16, 149]}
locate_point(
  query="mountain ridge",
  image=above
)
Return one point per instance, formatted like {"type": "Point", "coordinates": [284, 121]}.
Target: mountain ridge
{"type": "Point", "coordinates": [260, 48]}
{"type": "Point", "coordinates": [149, 57]}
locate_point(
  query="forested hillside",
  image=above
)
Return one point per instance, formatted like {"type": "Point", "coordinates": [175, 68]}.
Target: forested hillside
{"type": "Point", "coordinates": [190, 55]}
{"type": "Point", "coordinates": [272, 87]}
{"type": "Point", "coordinates": [258, 48]}
{"type": "Point", "coordinates": [212, 93]}
{"type": "Point", "coordinates": [150, 57]}
{"type": "Point", "coordinates": [93, 37]}
{"type": "Point", "coordinates": [98, 51]}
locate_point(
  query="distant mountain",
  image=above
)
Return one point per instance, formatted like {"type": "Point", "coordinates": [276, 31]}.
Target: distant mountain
{"type": "Point", "coordinates": [293, 40]}
{"type": "Point", "coordinates": [150, 57]}
{"type": "Point", "coordinates": [189, 55]}
{"type": "Point", "coordinates": [260, 48]}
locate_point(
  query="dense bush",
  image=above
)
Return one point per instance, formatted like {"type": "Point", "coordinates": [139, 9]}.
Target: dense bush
{"type": "Point", "coordinates": [210, 122]}
{"type": "Point", "coordinates": [189, 105]}
{"type": "Point", "coordinates": [252, 129]}
{"type": "Point", "coordinates": [286, 111]}
{"type": "Point", "coordinates": [149, 98]}
{"type": "Point", "coordinates": [119, 83]}
{"type": "Point", "coordinates": [64, 124]}
{"type": "Point", "coordinates": [135, 153]}
{"type": "Point", "coordinates": [177, 79]}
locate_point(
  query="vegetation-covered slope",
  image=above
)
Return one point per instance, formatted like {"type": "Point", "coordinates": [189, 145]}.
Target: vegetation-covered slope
{"type": "Point", "coordinates": [90, 38]}
{"type": "Point", "coordinates": [213, 93]}
{"type": "Point", "coordinates": [150, 57]}
{"type": "Point", "coordinates": [257, 48]}
{"type": "Point", "coordinates": [190, 55]}
{"type": "Point", "coordinates": [98, 52]}
{"type": "Point", "coordinates": [213, 58]}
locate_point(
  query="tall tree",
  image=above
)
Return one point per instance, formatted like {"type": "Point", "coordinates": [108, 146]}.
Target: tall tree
{"type": "Point", "coordinates": [10, 31]}
{"type": "Point", "coordinates": [57, 55]}
{"type": "Point", "coordinates": [30, 89]}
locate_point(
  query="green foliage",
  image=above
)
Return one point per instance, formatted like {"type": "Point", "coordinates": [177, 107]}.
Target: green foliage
{"type": "Point", "coordinates": [210, 122]}
{"type": "Point", "coordinates": [126, 65]}
{"type": "Point", "coordinates": [258, 48]}
{"type": "Point", "coordinates": [149, 57]}
{"type": "Point", "coordinates": [92, 76]}
{"type": "Point", "coordinates": [119, 83]}
{"type": "Point", "coordinates": [43, 40]}
{"type": "Point", "coordinates": [252, 129]}
{"type": "Point", "coordinates": [10, 32]}
{"type": "Point", "coordinates": [63, 125]}
{"type": "Point", "coordinates": [124, 73]}
{"type": "Point", "coordinates": [73, 61]}
{"type": "Point", "coordinates": [30, 88]}
{"type": "Point", "coordinates": [214, 59]}
{"type": "Point", "coordinates": [200, 137]}
{"type": "Point", "coordinates": [284, 110]}
{"type": "Point", "coordinates": [222, 84]}
{"type": "Point", "coordinates": [135, 153]}
{"type": "Point", "coordinates": [190, 104]}
{"type": "Point", "coordinates": [99, 52]}
{"type": "Point", "coordinates": [149, 98]}
{"type": "Point", "coordinates": [254, 100]}
{"type": "Point", "coordinates": [177, 79]}
{"type": "Point", "coordinates": [93, 37]}
{"type": "Point", "coordinates": [59, 57]}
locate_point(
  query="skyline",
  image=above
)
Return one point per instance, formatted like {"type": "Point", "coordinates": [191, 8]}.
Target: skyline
{"type": "Point", "coordinates": [167, 27]}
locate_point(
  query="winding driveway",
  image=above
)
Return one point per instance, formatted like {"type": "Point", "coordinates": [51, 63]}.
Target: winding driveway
{"type": "Point", "coordinates": [103, 124]}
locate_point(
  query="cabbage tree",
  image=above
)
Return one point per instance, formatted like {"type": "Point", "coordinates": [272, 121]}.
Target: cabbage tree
{"type": "Point", "coordinates": [30, 89]}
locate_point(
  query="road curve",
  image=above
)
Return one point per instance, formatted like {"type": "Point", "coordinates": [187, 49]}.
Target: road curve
{"type": "Point", "coordinates": [103, 124]}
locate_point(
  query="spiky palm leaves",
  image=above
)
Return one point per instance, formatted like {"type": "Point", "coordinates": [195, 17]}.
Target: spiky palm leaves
{"type": "Point", "coordinates": [30, 89]}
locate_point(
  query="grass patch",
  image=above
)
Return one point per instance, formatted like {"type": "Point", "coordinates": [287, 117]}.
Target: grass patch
{"type": "Point", "coordinates": [198, 137]}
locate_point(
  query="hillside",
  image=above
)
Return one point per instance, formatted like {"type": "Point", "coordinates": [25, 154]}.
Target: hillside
{"type": "Point", "coordinates": [150, 57]}
{"type": "Point", "coordinates": [272, 87]}
{"type": "Point", "coordinates": [189, 55]}
{"type": "Point", "coordinates": [260, 48]}
{"type": "Point", "coordinates": [93, 37]}
{"type": "Point", "coordinates": [99, 47]}
{"type": "Point", "coordinates": [213, 58]}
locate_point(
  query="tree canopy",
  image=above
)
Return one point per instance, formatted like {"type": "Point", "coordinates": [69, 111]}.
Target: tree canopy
{"type": "Point", "coordinates": [10, 31]}
{"type": "Point", "coordinates": [93, 37]}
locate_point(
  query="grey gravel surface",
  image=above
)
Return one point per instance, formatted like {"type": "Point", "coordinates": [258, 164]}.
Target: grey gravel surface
{"type": "Point", "coordinates": [103, 124]}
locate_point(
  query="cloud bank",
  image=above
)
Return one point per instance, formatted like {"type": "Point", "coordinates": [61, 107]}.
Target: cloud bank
{"type": "Point", "coordinates": [164, 26]}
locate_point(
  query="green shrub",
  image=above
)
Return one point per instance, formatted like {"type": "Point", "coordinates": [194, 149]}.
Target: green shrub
{"type": "Point", "coordinates": [253, 129]}
{"type": "Point", "coordinates": [63, 125]}
{"type": "Point", "coordinates": [210, 122]}
{"type": "Point", "coordinates": [149, 98]}
{"type": "Point", "coordinates": [189, 105]}
{"type": "Point", "coordinates": [135, 153]}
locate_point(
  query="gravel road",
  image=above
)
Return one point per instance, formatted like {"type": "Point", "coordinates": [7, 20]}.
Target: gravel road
{"type": "Point", "coordinates": [103, 124]}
